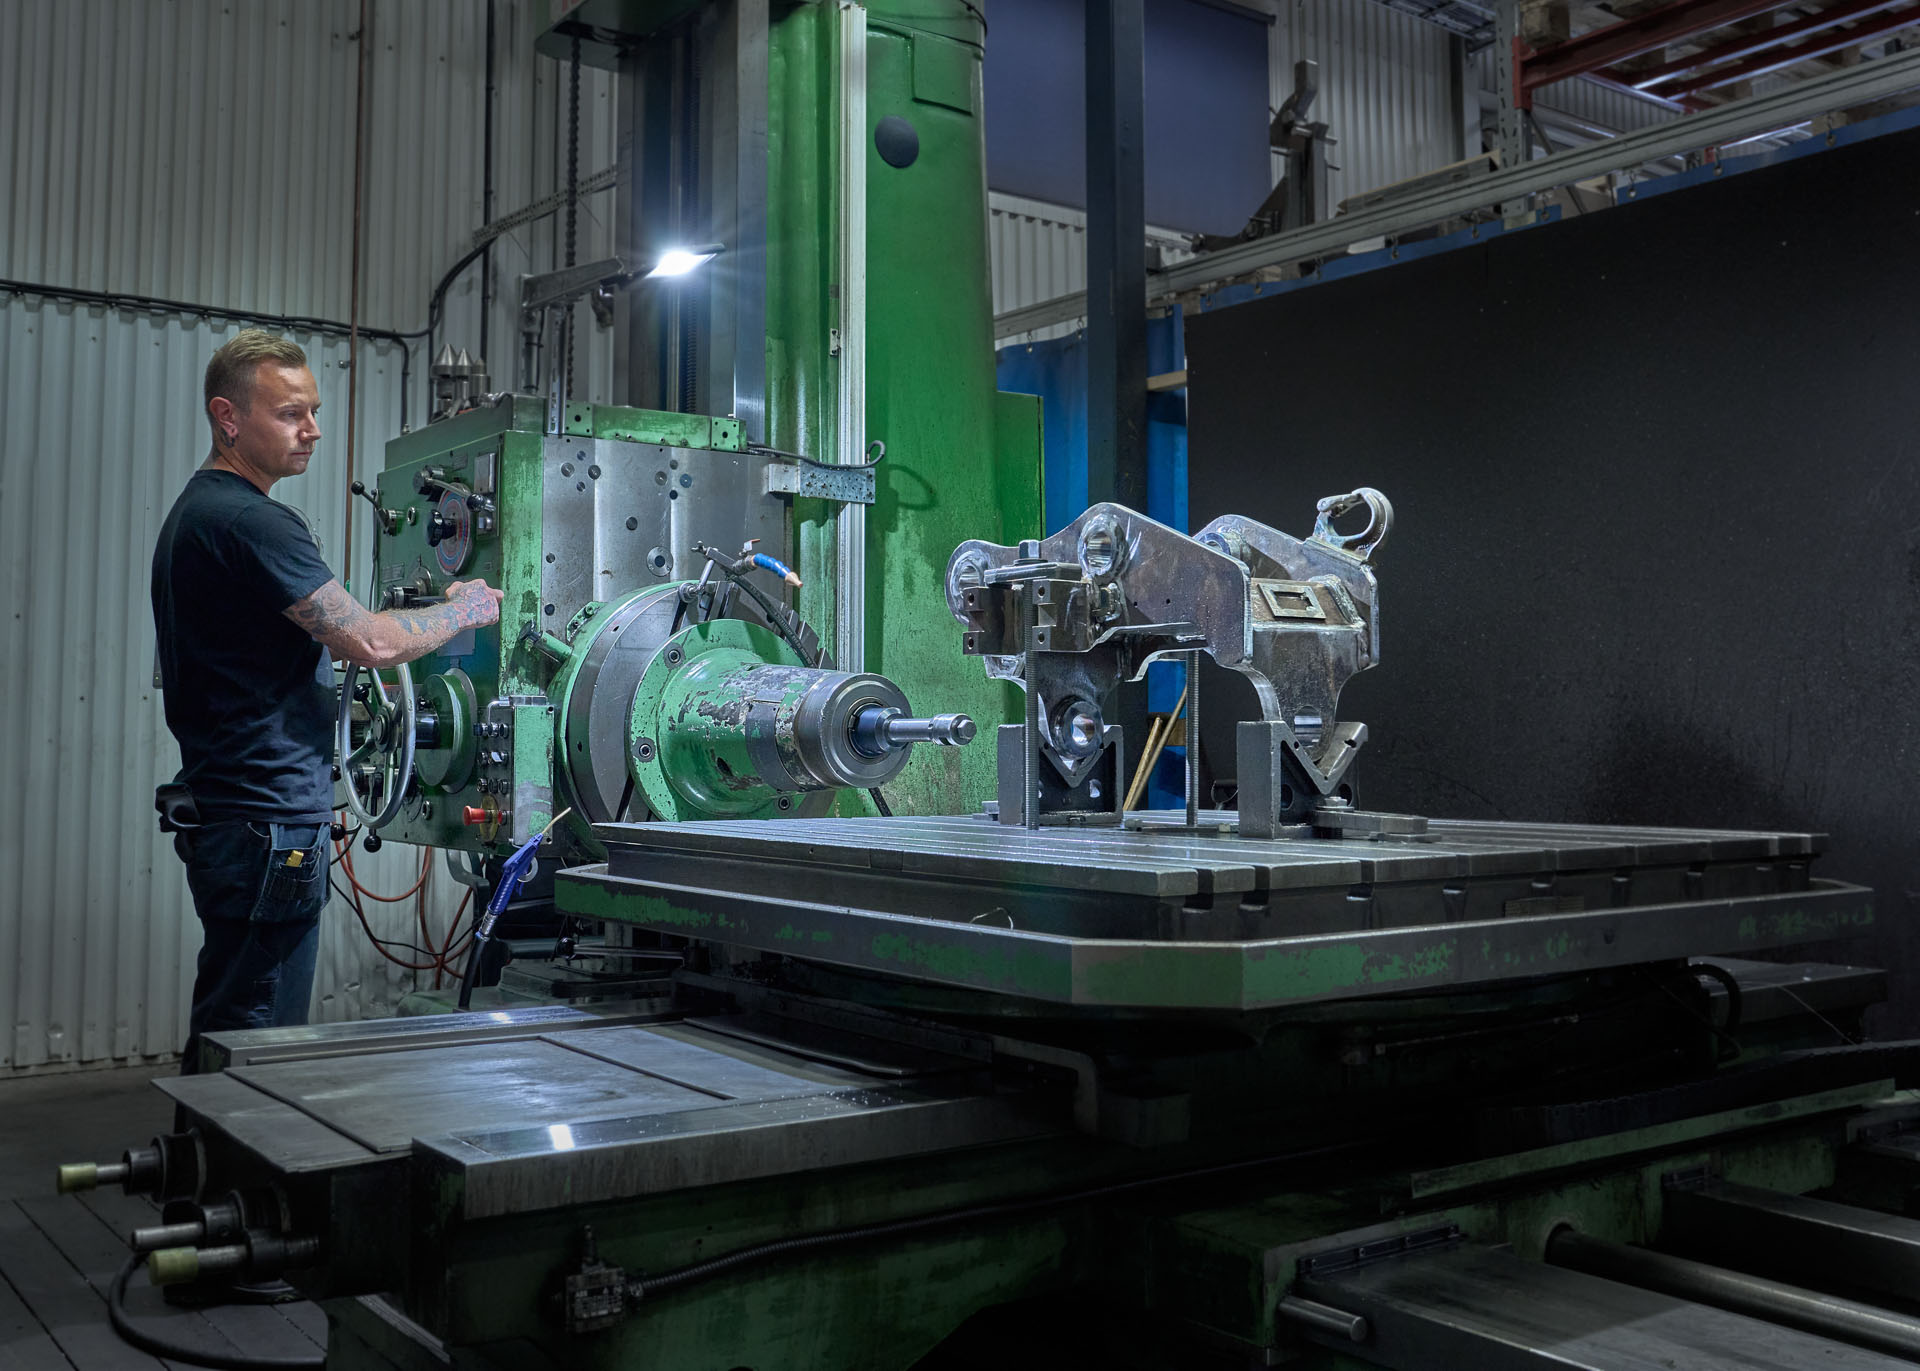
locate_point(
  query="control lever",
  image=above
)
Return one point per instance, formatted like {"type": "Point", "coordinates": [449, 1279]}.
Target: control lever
{"type": "Point", "coordinates": [387, 519]}
{"type": "Point", "coordinates": [433, 482]}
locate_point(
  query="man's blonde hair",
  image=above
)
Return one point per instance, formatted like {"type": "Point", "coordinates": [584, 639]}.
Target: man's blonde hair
{"type": "Point", "coordinates": [230, 372]}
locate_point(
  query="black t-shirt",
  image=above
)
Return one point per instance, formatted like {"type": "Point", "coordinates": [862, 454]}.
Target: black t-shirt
{"type": "Point", "coordinates": [250, 697]}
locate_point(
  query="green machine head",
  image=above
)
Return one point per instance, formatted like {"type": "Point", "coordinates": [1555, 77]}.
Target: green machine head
{"type": "Point", "coordinates": [638, 672]}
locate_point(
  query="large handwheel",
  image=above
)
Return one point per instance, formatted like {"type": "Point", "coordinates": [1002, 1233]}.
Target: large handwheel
{"type": "Point", "coordinates": [388, 745]}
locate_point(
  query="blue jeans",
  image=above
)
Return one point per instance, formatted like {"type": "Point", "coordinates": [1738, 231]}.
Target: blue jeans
{"type": "Point", "coordinates": [258, 889]}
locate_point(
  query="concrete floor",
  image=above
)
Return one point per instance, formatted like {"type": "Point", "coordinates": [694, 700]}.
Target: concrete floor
{"type": "Point", "coordinates": [59, 1254]}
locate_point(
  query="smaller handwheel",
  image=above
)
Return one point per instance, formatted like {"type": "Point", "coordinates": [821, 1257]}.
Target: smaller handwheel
{"type": "Point", "coordinates": [387, 746]}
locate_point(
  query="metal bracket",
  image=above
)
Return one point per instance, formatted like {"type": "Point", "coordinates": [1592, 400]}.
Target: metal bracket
{"type": "Point", "coordinates": [850, 485]}
{"type": "Point", "coordinates": [472, 875]}
{"type": "Point", "coordinates": [569, 283]}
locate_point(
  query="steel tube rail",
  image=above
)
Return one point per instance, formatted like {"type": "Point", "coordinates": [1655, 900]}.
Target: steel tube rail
{"type": "Point", "coordinates": [1613, 80]}
{"type": "Point", "coordinates": [1864, 1325]}
{"type": "Point", "coordinates": [1323, 1318]}
{"type": "Point", "coordinates": [1802, 1238]}
{"type": "Point", "coordinates": [850, 425]}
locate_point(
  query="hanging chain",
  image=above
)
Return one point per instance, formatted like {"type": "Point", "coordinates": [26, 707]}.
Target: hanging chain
{"type": "Point", "coordinates": [573, 198]}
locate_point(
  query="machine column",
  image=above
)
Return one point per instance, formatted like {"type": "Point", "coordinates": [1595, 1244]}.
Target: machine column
{"type": "Point", "coordinates": [1116, 253]}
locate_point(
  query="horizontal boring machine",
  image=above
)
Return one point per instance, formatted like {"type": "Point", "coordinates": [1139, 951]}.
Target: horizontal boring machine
{"type": "Point", "coordinates": [1053, 1083]}
{"type": "Point", "coordinates": [1011, 1075]}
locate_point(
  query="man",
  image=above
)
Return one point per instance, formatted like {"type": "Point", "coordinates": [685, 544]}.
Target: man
{"type": "Point", "coordinates": [247, 615]}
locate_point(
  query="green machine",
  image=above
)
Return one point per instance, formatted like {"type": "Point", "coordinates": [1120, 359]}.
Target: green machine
{"type": "Point", "coordinates": [819, 395]}
{"type": "Point", "coordinates": [638, 671]}
{"type": "Point", "coordinates": [1013, 1077]}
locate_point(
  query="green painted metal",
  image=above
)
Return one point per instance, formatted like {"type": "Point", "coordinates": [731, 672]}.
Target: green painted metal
{"type": "Point", "coordinates": [802, 243]}
{"type": "Point", "coordinates": [690, 719]}
{"type": "Point", "coordinates": [507, 436]}
{"type": "Point", "coordinates": [1206, 1259]}
{"type": "Point", "coordinates": [879, 1305]}
{"type": "Point", "coordinates": [954, 469]}
{"type": "Point", "coordinates": [509, 663]}
{"type": "Point", "coordinates": [961, 459]}
{"type": "Point", "coordinates": [931, 393]}
{"type": "Point", "coordinates": [518, 413]}
{"type": "Point", "coordinates": [450, 699]}
{"type": "Point", "coordinates": [568, 655]}
{"type": "Point", "coordinates": [664, 427]}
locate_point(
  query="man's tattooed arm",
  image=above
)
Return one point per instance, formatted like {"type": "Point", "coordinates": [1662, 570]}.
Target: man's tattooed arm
{"type": "Point", "coordinates": [354, 633]}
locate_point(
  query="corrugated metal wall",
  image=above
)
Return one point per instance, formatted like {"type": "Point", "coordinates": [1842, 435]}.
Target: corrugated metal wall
{"type": "Point", "coordinates": [1386, 88]}
{"type": "Point", "coordinates": [200, 150]}
{"type": "Point", "coordinates": [1039, 252]}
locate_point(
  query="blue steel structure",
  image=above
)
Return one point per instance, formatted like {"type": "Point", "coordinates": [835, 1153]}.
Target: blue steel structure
{"type": "Point", "coordinates": [1056, 371]}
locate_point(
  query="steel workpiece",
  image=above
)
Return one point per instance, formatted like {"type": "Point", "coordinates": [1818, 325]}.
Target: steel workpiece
{"type": "Point", "coordinates": [1071, 616]}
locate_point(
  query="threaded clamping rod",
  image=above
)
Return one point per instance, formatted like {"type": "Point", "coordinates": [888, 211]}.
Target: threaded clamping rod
{"type": "Point", "coordinates": [879, 729]}
{"type": "Point", "coordinates": [948, 730]}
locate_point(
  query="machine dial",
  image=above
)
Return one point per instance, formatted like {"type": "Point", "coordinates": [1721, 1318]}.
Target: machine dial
{"type": "Point", "coordinates": [450, 533]}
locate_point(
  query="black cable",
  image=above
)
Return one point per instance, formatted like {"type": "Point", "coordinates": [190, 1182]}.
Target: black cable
{"type": "Point", "coordinates": [486, 191]}
{"type": "Point", "coordinates": [1732, 1044]}
{"type": "Point", "coordinates": [470, 973]}
{"type": "Point", "coordinates": [186, 1352]}
{"type": "Point", "coordinates": [153, 304]}
{"type": "Point", "coordinates": [778, 617]}
{"type": "Point", "coordinates": [1736, 1001]}
{"type": "Point", "coordinates": [876, 447]}
{"type": "Point", "coordinates": [436, 303]}
{"type": "Point", "coordinates": [880, 802]}
{"type": "Point", "coordinates": [383, 942]}
{"type": "Point", "coordinates": [640, 1288]}
{"type": "Point", "coordinates": [156, 304]}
